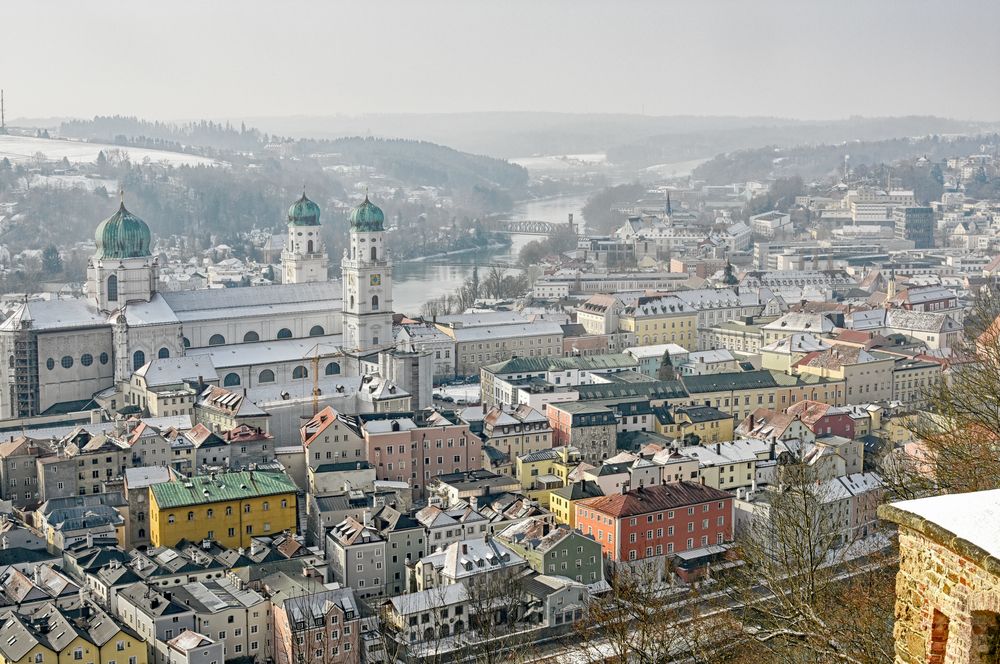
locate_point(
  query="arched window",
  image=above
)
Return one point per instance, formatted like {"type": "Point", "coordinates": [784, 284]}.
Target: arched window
{"type": "Point", "coordinates": [352, 302]}
{"type": "Point", "coordinates": [50, 364]}
{"type": "Point", "coordinates": [231, 380]}
{"type": "Point", "coordinates": [316, 331]}
{"type": "Point", "coordinates": [86, 359]}
{"type": "Point", "coordinates": [284, 333]}
{"type": "Point", "coordinates": [142, 532]}
{"type": "Point", "coordinates": [186, 342]}
{"type": "Point", "coordinates": [10, 361]}
{"type": "Point", "coordinates": [300, 372]}
{"type": "Point", "coordinates": [138, 359]}
{"type": "Point", "coordinates": [374, 253]}
{"type": "Point", "coordinates": [66, 361]}
{"type": "Point", "coordinates": [266, 376]}
{"type": "Point", "coordinates": [104, 358]}
{"type": "Point", "coordinates": [250, 337]}
{"type": "Point", "coordinates": [112, 288]}
{"type": "Point", "coordinates": [309, 247]}
{"type": "Point", "coordinates": [163, 353]}
{"type": "Point", "coordinates": [190, 516]}
{"type": "Point", "coordinates": [374, 302]}
{"type": "Point", "coordinates": [216, 340]}
{"type": "Point", "coordinates": [332, 369]}
{"type": "Point", "coordinates": [210, 513]}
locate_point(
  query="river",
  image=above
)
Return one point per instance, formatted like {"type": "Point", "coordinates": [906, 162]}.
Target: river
{"type": "Point", "coordinates": [416, 282]}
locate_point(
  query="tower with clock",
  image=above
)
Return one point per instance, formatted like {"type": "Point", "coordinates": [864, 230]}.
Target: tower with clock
{"type": "Point", "coordinates": [367, 278]}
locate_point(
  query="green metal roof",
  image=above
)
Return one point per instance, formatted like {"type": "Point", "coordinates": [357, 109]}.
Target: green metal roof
{"type": "Point", "coordinates": [535, 364]}
{"type": "Point", "coordinates": [203, 489]}
{"type": "Point", "coordinates": [303, 212]}
{"type": "Point", "coordinates": [122, 235]}
{"type": "Point", "coordinates": [367, 217]}
{"type": "Point", "coordinates": [740, 380]}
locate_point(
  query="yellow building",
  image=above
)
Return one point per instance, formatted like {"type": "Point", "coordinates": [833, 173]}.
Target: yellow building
{"type": "Point", "coordinates": [48, 636]}
{"type": "Point", "coordinates": [711, 425]}
{"type": "Point", "coordinates": [229, 508]}
{"type": "Point", "coordinates": [542, 471]}
{"type": "Point", "coordinates": [562, 502]}
{"type": "Point", "coordinates": [661, 320]}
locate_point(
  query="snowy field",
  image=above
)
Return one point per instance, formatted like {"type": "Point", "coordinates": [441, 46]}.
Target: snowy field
{"type": "Point", "coordinates": [72, 182]}
{"type": "Point", "coordinates": [21, 149]}
{"type": "Point", "coordinates": [470, 393]}
{"type": "Point", "coordinates": [562, 162]}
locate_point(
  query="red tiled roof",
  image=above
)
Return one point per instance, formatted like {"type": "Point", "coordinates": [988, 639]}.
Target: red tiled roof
{"type": "Point", "coordinates": [654, 499]}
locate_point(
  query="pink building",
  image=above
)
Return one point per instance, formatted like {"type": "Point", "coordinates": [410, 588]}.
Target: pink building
{"type": "Point", "coordinates": [823, 419]}
{"type": "Point", "coordinates": [417, 447]}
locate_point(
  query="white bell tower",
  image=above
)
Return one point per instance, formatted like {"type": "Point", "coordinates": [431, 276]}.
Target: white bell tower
{"type": "Point", "coordinates": [367, 280]}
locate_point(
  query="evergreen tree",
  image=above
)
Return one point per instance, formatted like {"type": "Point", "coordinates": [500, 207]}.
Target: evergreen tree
{"type": "Point", "coordinates": [51, 261]}
{"type": "Point", "coordinates": [666, 370]}
{"type": "Point", "coordinates": [729, 275]}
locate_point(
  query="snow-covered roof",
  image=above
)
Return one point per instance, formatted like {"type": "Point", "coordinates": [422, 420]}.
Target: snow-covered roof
{"type": "Point", "coordinates": [55, 314]}
{"type": "Point", "coordinates": [270, 352]}
{"type": "Point", "coordinates": [507, 331]}
{"type": "Point", "coordinates": [656, 350]}
{"type": "Point", "coordinates": [174, 370]}
{"type": "Point", "coordinates": [154, 312]}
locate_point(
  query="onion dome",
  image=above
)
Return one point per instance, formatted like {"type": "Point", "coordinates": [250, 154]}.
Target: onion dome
{"type": "Point", "coordinates": [122, 235]}
{"type": "Point", "coordinates": [303, 212]}
{"type": "Point", "coordinates": [367, 217]}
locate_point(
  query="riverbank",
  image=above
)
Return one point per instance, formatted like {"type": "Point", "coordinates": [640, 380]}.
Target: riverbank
{"type": "Point", "coordinates": [492, 246]}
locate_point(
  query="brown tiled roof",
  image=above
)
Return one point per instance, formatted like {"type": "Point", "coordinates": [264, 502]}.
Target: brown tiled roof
{"type": "Point", "coordinates": [809, 411]}
{"type": "Point", "coordinates": [654, 499]}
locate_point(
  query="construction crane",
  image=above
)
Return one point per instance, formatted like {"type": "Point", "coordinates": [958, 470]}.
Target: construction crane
{"type": "Point", "coordinates": [313, 357]}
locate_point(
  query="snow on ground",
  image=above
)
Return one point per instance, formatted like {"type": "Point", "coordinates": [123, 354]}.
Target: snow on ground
{"type": "Point", "coordinates": [72, 182]}
{"type": "Point", "coordinates": [562, 162]}
{"type": "Point", "coordinates": [21, 149]}
{"type": "Point", "coordinates": [468, 392]}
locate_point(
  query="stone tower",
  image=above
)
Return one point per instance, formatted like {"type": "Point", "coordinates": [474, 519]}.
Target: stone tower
{"type": "Point", "coordinates": [367, 280]}
{"type": "Point", "coordinates": [304, 258]}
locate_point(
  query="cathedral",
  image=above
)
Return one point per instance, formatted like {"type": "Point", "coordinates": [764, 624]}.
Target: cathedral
{"type": "Point", "coordinates": [62, 353]}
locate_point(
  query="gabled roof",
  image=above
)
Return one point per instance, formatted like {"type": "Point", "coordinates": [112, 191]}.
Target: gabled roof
{"type": "Point", "coordinates": [654, 499]}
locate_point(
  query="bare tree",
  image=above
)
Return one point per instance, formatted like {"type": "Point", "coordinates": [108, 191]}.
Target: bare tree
{"type": "Point", "coordinates": [807, 589]}
{"type": "Point", "coordinates": [640, 621]}
{"type": "Point", "coordinates": [957, 439]}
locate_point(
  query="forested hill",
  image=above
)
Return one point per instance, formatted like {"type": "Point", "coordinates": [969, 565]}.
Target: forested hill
{"type": "Point", "coordinates": [420, 162]}
{"type": "Point", "coordinates": [136, 132]}
{"type": "Point", "coordinates": [409, 161]}
{"type": "Point", "coordinates": [683, 145]}
{"type": "Point", "coordinates": [818, 161]}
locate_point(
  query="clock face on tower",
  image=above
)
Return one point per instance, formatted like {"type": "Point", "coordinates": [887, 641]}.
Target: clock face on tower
{"type": "Point", "coordinates": [376, 280]}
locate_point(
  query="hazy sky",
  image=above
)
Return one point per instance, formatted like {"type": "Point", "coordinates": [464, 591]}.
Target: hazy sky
{"type": "Point", "coordinates": [173, 59]}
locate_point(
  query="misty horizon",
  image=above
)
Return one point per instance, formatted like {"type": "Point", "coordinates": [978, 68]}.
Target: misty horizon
{"type": "Point", "coordinates": [770, 60]}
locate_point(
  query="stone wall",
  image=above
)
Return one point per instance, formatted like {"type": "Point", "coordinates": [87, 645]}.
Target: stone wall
{"type": "Point", "coordinates": [947, 600]}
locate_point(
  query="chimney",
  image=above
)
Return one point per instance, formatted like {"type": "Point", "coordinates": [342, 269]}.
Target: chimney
{"type": "Point", "coordinates": [465, 549]}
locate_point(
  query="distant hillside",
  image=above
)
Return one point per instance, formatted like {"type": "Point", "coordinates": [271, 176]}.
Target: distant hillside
{"type": "Point", "coordinates": [819, 161]}
{"type": "Point", "coordinates": [409, 161]}
{"type": "Point", "coordinates": [693, 144]}
{"type": "Point", "coordinates": [423, 163]}
{"type": "Point", "coordinates": [632, 139]}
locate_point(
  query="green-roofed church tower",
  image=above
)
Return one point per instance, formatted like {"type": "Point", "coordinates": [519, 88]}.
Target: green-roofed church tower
{"type": "Point", "coordinates": [304, 258]}
{"type": "Point", "coordinates": [123, 269]}
{"type": "Point", "coordinates": [367, 279]}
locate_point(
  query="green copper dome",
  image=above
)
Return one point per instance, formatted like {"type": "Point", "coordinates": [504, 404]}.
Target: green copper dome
{"type": "Point", "coordinates": [303, 212]}
{"type": "Point", "coordinates": [367, 217]}
{"type": "Point", "coordinates": [122, 235]}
